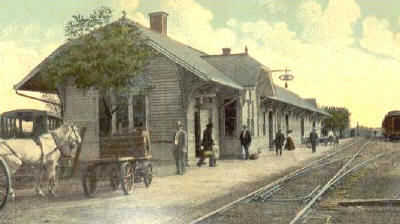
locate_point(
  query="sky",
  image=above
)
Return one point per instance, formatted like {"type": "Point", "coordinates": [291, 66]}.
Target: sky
{"type": "Point", "coordinates": [343, 52]}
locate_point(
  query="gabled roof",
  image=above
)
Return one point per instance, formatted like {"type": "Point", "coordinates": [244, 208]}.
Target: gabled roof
{"type": "Point", "coordinates": [234, 70]}
{"type": "Point", "coordinates": [186, 56]}
{"type": "Point", "coordinates": [241, 68]}
{"type": "Point", "coordinates": [289, 97]}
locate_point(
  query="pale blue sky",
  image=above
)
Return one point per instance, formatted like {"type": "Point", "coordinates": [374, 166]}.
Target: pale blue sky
{"type": "Point", "coordinates": [344, 52]}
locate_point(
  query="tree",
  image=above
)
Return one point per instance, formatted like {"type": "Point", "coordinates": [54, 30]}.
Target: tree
{"type": "Point", "coordinates": [100, 55]}
{"type": "Point", "coordinates": [340, 119]}
{"type": "Point", "coordinates": [56, 109]}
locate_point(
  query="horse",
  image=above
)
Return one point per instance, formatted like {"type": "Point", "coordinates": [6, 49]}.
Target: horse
{"type": "Point", "coordinates": [43, 153]}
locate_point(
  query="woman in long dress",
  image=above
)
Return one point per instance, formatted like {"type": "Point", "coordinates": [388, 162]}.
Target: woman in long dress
{"type": "Point", "coordinates": [289, 142]}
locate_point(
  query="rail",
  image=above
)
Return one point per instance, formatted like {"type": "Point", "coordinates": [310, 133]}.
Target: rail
{"type": "Point", "coordinates": [269, 188]}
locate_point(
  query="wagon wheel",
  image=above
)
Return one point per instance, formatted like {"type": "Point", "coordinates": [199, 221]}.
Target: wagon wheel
{"type": "Point", "coordinates": [137, 173]}
{"type": "Point", "coordinates": [148, 176]}
{"type": "Point", "coordinates": [5, 183]}
{"type": "Point", "coordinates": [114, 179]}
{"type": "Point", "coordinates": [126, 178]}
{"type": "Point", "coordinates": [89, 180]}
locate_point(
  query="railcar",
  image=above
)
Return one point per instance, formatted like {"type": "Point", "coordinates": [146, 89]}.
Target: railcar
{"type": "Point", "coordinates": [391, 126]}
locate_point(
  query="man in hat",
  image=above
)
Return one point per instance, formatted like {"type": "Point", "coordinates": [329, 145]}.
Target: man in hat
{"type": "Point", "coordinates": [314, 140]}
{"type": "Point", "coordinates": [279, 140]}
{"type": "Point", "coordinates": [245, 141]}
{"type": "Point", "coordinates": [207, 144]}
{"type": "Point", "coordinates": [180, 149]}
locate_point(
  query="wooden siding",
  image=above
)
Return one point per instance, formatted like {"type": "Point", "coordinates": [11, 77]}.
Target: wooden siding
{"type": "Point", "coordinates": [164, 100]}
{"type": "Point", "coordinates": [82, 109]}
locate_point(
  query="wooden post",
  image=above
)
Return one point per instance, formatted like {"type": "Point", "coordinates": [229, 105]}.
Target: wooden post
{"type": "Point", "coordinates": [78, 152]}
{"type": "Point", "coordinates": [130, 113]}
{"type": "Point", "coordinates": [7, 127]}
{"type": "Point", "coordinates": [2, 127]}
{"type": "Point", "coordinates": [20, 126]}
{"type": "Point", "coordinates": [113, 115]}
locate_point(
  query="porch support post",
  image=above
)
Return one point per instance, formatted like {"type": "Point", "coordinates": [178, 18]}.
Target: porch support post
{"type": "Point", "coordinates": [113, 116]}
{"type": "Point", "coordinates": [130, 113]}
{"type": "Point", "coordinates": [190, 129]}
{"type": "Point", "coordinates": [215, 121]}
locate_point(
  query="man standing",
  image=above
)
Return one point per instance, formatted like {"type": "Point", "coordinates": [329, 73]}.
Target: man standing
{"type": "Point", "coordinates": [207, 144]}
{"type": "Point", "coordinates": [314, 140]}
{"type": "Point", "coordinates": [279, 140]}
{"type": "Point", "coordinates": [245, 141]}
{"type": "Point", "coordinates": [180, 149]}
{"type": "Point", "coordinates": [330, 137]}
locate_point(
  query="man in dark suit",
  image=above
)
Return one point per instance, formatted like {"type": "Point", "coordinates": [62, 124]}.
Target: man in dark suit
{"type": "Point", "coordinates": [245, 141]}
{"type": "Point", "coordinates": [279, 141]}
{"type": "Point", "coordinates": [314, 140]}
{"type": "Point", "coordinates": [207, 144]}
{"type": "Point", "coordinates": [180, 149]}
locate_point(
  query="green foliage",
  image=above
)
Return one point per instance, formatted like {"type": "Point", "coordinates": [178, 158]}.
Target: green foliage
{"type": "Point", "coordinates": [340, 119]}
{"type": "Point", "coordinates": [100, 55]}
{"type": "Point", "coordinates": [81, 25]}
{"type": "Point", "coordinates": [109, 57]}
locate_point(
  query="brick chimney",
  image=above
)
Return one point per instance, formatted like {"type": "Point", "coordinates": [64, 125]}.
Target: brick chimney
{"type": "Point", "coordinates": [226, 51]}
{"type": "Point", "coordinates": [158, 22]}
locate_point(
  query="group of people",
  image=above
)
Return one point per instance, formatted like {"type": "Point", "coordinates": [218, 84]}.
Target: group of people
{"type": "Point", "coordinates": [180, 148]}
{"type": "Point", "coordinates": [280, 141]}
{"type": "Point", "coordinates": [207, 143]}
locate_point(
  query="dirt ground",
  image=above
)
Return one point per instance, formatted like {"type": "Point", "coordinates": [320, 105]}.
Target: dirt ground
{"type": "Point", "coordinates": [170, 199]}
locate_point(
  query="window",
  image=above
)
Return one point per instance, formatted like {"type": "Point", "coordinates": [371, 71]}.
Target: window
{"type": "Point", "coordinates": [396, 123]}
{"type": "Point", "coordinates": [122, 116]}
{"type": "Point", "coordinates": [139, 111]}
{"type": "Point", "coordinates": [230, 118]}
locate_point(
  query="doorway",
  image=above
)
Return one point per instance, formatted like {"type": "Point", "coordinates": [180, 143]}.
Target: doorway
{"type": "Point", "coordinates": [271, 130]}
{"type": "Point", "coordinates": [197, 133]}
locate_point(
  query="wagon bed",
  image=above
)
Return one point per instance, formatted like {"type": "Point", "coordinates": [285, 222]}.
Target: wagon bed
{"type": "Point", "coordinates": [126, 160]}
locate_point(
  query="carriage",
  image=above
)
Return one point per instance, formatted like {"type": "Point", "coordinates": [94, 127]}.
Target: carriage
{"type": "Point", "coordinates": [22, 123]}
{"type": "Point", "coordinates": [124, 160]}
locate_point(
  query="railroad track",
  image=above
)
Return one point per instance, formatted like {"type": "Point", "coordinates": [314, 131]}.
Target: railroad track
{"type": "Point", "coordinates": [272, 197]}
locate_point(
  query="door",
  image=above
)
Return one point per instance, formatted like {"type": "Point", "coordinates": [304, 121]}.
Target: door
{"type": "Point", "coordinates": [197, 133]}
{"type": "Point", "coordinates": [271, 130]}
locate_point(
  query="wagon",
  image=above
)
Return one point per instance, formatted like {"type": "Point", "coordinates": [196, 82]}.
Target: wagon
{"type": "Point", "coordinates": [124, 160]}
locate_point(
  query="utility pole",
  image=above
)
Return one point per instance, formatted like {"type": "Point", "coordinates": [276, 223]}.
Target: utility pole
{"type": "Point", "coordinates": [358, 129]}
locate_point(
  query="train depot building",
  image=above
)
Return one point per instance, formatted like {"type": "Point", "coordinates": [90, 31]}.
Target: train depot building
{"type": "Point", "coordinates": [190, 86]}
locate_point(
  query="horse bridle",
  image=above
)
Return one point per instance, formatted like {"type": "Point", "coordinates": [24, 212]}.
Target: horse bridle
{"type": "Point", "coordinates": [58, 146]}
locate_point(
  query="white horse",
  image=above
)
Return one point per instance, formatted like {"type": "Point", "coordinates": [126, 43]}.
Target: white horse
{"type": "Point", "coordinates": [61, 141]}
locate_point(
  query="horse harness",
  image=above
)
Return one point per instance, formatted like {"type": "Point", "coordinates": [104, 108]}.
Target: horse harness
{"type": "Point", "coordinates": [38, 143]}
